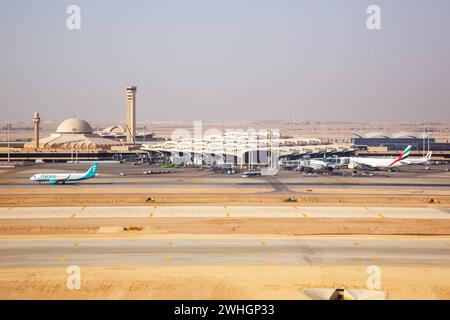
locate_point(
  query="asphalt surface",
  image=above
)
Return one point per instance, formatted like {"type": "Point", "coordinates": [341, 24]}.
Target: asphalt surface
{"type": "Point", "coordinates": [306, 251]}
{"type": "Point", "coordinates": [285, 182]}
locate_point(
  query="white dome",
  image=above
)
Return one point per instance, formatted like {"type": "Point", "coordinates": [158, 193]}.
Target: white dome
{"type": "Point", "coordinates": [74, 125]}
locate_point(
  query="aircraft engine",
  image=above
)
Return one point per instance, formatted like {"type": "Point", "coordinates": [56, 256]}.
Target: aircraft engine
{"type": "Point", "coordinates": [352, 165]}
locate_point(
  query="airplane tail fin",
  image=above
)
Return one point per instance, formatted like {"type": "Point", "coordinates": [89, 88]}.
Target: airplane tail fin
{"type": "Point", "coordinates": [92, 170]}
{"type": "Point", "coordinates": [428, 156]}
{"type": "Point", "coordinates": [403, 156]}
{"type": "Point", "coordinates": [405, 153]}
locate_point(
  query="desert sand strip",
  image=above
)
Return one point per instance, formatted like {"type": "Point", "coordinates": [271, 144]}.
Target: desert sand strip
{"type": "Point", "coordinates": [218, 282]}
{"type": "Point", "coordinates": [228, 226]}
{"type": "Point", "coordinates": [136, 199]}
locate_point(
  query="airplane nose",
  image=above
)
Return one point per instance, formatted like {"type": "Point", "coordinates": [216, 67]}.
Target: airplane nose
{"type": "Point", "coordinates": [32, 178]}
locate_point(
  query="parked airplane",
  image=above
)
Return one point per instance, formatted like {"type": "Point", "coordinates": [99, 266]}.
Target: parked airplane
{"type": "Point", "coordinates": [379, 163]}
{"type": "Point", "coordinates": [56, 178]}
{"type": "Point", "coordinates": [423, 160]}
{"type": "Point", "coordinates": [314, 165]}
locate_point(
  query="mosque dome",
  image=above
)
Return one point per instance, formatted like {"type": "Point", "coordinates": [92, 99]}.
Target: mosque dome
{"type": "Point", "coordinates": [74, 125]}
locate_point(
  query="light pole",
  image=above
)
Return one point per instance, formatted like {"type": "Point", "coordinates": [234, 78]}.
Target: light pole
{"type": "Point", "coordinates": [71, 153]}
{"type": "Point", "coordinates": [8, 126]}
{"type": "Point", "coordinates": [423, 141]}
{"type": "Point", "coordinates": [76, 148]}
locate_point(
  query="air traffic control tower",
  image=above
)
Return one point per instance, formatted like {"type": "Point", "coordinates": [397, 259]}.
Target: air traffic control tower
{"type": "Point", "coordinates": [130, 121]}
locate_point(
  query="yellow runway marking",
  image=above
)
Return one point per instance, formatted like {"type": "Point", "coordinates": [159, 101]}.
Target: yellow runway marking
{"type": "Point", "coordinates": [76, 244]}
{"type": "Point", "coordinates": [168, 257]}
{"type": "Point", "coordinates": [356, 244]}
{"type": "Point", "coordinates": [375, 258]}
{"type": "Point", "coordinates": [73, 215]}
{"type": "Point", "coordinates": [9, 209]}
{"type": "Point", "coordinates": [381, 215]}
{"type": "Point", "coordinates": [305, 215]}
{"type": "Point", "coordinates": [263, 243]}
{"type": "Point", "coordinates": [150, 215]}
{"type": "Point", "coordinates": [228, 214]}
{"type": "Point", "coordinates": [170, 243]}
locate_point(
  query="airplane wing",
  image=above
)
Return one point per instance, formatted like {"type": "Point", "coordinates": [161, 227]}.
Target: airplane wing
{"type": "Point", "coordinates": [398, 159]}
{"type": "Point", "coordinates": [63, 178]}
{"type": "Point", "coordinates": [59, 179]}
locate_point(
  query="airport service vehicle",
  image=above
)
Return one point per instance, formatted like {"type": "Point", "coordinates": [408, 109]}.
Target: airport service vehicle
{"type": "Point", "coordinates": [62, 178]}
{"type": "Point", "coordinates": [166, 165]}
{"type": "Point", "coordinates": [249, 174]}
{"type": "Point", "coordinates": [224, 168]}
{"type": "Point", "coordinates": [379, 163]}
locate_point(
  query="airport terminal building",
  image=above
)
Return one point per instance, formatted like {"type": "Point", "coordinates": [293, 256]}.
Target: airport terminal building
{"type": "Point", "coordinates": [383, 144]}
{"type": "Point", "coordinates": [73, 133]}
{"type": "Point", "coordinates": [73, 140]}
{"type": "Point", "coordinates": [394, 142]}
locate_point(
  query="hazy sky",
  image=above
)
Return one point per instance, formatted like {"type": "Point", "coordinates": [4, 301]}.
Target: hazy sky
{"type": "Point", "coordinates": [226, 59]}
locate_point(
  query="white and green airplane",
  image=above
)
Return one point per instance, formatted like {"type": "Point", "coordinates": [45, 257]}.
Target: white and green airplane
{"type": "Point", "coordinates": [57, 178]}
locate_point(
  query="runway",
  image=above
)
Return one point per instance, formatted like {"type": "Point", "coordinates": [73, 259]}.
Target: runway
{"type": "Point", "coordinates": [310, 251]}
{"type": "Point", "coordinates": [276, 185]}
{"type": "Point", "coordinates": [192, 211]}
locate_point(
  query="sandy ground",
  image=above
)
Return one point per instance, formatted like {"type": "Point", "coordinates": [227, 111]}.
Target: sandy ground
{"type": "Point", "coordinates": [298, 128]}
{"type": "Point", "coordinates": [96, 199]}
{"type": "Point", "coordinates": [213, 281]}
{"type": "Point", "coordinates": [228, 226]}
{"type": "Point", "coordinates": [219, 282]}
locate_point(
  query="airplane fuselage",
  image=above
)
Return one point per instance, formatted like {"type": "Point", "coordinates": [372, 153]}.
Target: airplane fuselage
{"type": "Point", "coordinates": [375, 162]}
{"type": "Point", "coordinates": [56, 178]}
{"type": "Point", "coordinates": [384, 163]}
{"type": "Point", "coordinates": [59, 177]}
